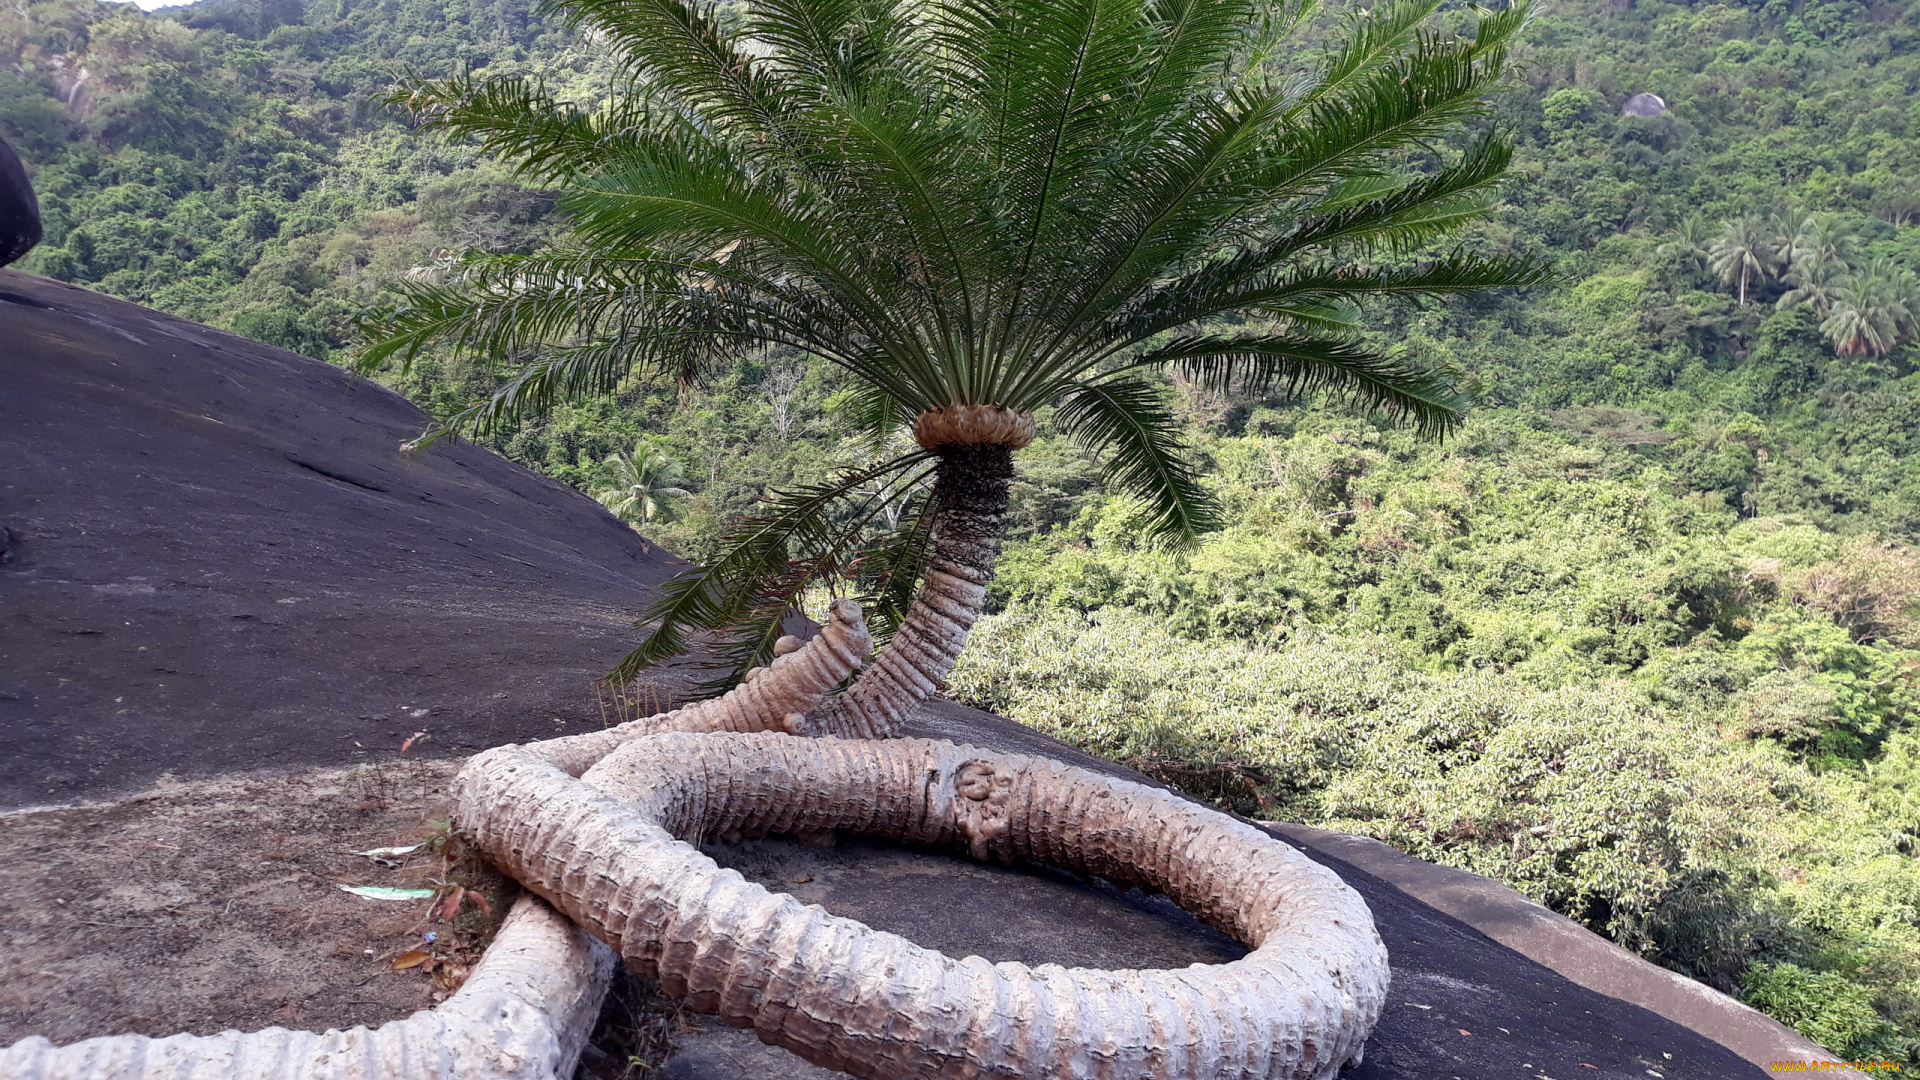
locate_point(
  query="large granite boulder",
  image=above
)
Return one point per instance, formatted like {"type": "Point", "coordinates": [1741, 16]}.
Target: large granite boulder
{"type": "Point", "coordinates": [1644, 105]}
{"type": "Point", "coordinates": [19, 209]}
{"type": "Point", "coordinates": [215, 556]}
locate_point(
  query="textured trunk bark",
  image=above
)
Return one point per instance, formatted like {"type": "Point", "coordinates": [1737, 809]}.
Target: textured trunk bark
{"type": "Point", "coordinates": [970, 506]}
{"type": "Point", "coordinates": [774, 698]}
{"type": "Point", "coordinates": [524, 1014]}
{"type": "Point", "coordinates": [607, 850]}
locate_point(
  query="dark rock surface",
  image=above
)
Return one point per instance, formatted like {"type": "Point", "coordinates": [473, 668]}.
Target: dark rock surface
{"type": "Point", "coordinates": [956, 905]}
{"type": "Point", "coordinates": [218, 560]}
{"type": "Point", "coordinates": [1559, 943]}
{"type": "Point", "coordinates": [19, 208]}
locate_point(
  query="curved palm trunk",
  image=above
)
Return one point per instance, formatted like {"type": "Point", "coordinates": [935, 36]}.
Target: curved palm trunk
{"type": "Point", "coordinates": [774, 698]}
{"type": "Point", "coordinates": [970, 505]}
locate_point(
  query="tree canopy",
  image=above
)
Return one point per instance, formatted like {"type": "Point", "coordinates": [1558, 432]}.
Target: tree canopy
{"type": "Point", "coordinates": [999, 204]}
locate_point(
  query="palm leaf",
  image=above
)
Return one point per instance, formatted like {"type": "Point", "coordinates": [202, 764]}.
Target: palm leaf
{"type": "Point", "coordinates": [1144, 456]}
{"type": "Point", "coordinates": [888, 573]}
{"type": "Point", "coordinates": [1303, 364]}
{"type": "Point", "coordinates": [769, 561]}
{"type": "Point", "coordinates": [682, 51]}
{"type": "Point", "coordinates": [1206, 295]}
{"type": "Point", "coordinates": [973, 202]}
{"type": "Point", "coordinates": [519, 120]}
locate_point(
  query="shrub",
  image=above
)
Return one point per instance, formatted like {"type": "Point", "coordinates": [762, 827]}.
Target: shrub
{"type": "Point", "coordinates": [1872, 588]}
{"type": "Point", "coordinates": [1823, 1006]}
{"type": "Point", "coordinates": [1590, 799]}
{"type": "Point", "coordinates": [1691, 832]}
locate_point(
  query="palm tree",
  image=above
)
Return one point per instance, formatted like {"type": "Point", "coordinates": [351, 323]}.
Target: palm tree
{"type": "Point", "coordinates": [640, 483]}
{"type": "Point", "coordinates": [1691, 244]}
{"type": "Point", "coordinates": [1743, 253]}
{"type": "Point", "coordinates": [1824, 237]}
{"type": "Point", "coordinates": [976, 208]}
{"type": "Point", "coordinates": [1814, 282]}
{"type": "Point", "coordinates": [1811, 252]}
{"type": "Point", "coordinates": [1872, 308]}
{"type": "Point", "coordinates": [1792, 229]}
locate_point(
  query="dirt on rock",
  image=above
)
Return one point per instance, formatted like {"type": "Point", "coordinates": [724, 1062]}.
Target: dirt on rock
{"type": "Point", "coordinates": [216, 905]}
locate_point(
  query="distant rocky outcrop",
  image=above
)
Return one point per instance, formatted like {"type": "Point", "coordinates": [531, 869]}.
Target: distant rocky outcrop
{"type": "Point", "coordinates": [19, 209]}
{"type": "Point", "coordinates": [1644, 105]}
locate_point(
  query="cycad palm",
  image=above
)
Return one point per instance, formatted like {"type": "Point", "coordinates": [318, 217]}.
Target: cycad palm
{"type": "Point", "coordinates": [639, 485]}
{"type": "Point", "coordinates": [977, 208]}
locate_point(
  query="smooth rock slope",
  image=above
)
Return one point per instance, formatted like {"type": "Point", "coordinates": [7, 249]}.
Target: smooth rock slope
{"type": "Point", "coordinates": [214, 557]}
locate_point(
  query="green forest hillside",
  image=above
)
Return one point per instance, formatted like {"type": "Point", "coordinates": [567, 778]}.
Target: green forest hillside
{"type": "Point", "coordinates": [1642, 640]}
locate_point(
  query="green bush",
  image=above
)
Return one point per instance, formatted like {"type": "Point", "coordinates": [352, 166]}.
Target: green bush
{"type": "Point", "coordinates": [1668, 828]}
{"type": "Point", "coordinates": [1591, 799]}
{"type": "Point", "coordinates": [1824, 1007]}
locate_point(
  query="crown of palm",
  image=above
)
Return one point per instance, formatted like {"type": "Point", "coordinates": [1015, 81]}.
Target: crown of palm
{"type": "Point", "coordinates": [1870, 309]}
{"type": "Point", "coordinates": [998, 202]}
{"type": "Point", "coordinates": [1005, 203]}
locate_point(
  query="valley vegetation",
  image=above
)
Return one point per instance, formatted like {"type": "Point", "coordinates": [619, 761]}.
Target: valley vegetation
{"type": "Point", "coordinates": [1642, 638]}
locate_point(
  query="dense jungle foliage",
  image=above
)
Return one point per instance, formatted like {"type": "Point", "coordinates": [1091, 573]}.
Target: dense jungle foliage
{"type": "Point", "coordinates": [1643, 640]}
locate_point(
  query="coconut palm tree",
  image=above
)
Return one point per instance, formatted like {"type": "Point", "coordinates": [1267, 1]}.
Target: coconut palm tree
{"type": "Point", "coordinates": [1872, 309]}
{"type": "Point", "coordinates": [1814, 281]}
{"type": "Point", "coordinates": [1824, 237]}
{"type": "Point", "coordinates": [1691, 244]}
{"type": "Point", "coordinates": [1792, 229]}
{"type": "Point", "coordinates": [976, 208]}
{"type": "Point", "coordinates": [1744, 253]}
{"type": "Point", "coordinates": [640, 483]}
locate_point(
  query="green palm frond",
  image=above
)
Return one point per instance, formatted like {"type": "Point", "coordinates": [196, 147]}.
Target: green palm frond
{"type": "Point", "coordinates": [1302, 364]}
{"type": "Point", "coordinates": [1373, 38]}
{"type": "Point", "coordinates": [520, 121]}
{"type": "Point", "coordinates": [832, 43]}
{"type": "Point", "coordinates": [1398, 218]}
{"type": "Point", "coordinates": [1010, 203]}
{"type": "Point", "coordinates": [1409, 215]}
{"type": "Point", "coordinates": [1143, 453]}
{"type": "Point", "coordinates": [1419, 97]}
{"type": "Point", "coordinates": [1205, 295]}
{"type": "Point", "coordinates": [873, 416]}
{"type": "Point", "coordinates": [682, 52]}
{"type": "Point", "coordinates": [797, 539]}
{"type": "Point", "coordinates": [888, 572]}
{"type": "Point", "coordinates": [966, 197]}
{"type": "Point", "coordinates": [1197, 37]}
{"type": "Point", "coordinates": [505, 305]}
{"type": "Point", "coordinates": [1329, 319]}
